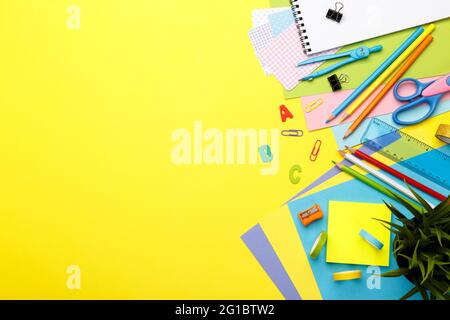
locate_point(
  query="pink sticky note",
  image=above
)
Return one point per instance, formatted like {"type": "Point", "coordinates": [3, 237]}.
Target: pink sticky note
{"type": "Point", "coordinates": [316, 119]}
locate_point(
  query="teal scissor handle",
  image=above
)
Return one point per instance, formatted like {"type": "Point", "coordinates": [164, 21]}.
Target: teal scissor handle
{"type": "Point", "coordinates": [432, 102]}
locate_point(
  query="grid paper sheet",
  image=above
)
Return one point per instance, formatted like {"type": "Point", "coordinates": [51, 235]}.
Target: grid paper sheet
{"type": "Point", "coordinates": [261, 37]}
{"type": "Point", "coordinates": [283, 54]}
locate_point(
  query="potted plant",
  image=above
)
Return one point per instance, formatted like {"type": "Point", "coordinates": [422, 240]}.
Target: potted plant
{"type": "Point", "coordinates": [422, 248]}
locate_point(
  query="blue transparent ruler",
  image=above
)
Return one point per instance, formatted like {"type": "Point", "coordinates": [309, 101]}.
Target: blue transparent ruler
{"type": "Point", "coordinates": [409, 152]}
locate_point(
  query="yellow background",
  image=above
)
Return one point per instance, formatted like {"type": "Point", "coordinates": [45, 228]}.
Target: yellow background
{"type": "Point", "coordinates": [86, 174]}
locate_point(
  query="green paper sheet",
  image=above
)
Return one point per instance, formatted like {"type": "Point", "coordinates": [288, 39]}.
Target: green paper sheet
{"type": "Point", "coordinates": [280, 3]}
{"type": "Point", "coordinates": [434, 61]}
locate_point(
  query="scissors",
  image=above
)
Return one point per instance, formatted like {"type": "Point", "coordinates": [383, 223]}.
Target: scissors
{"type": "Point", "coordinates": [429, 93]}
{"type": "Point", "coordinates": [357, 54]}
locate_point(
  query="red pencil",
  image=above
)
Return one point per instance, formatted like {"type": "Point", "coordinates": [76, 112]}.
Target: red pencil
{"type": "Point", "coordinates": [397, 174]}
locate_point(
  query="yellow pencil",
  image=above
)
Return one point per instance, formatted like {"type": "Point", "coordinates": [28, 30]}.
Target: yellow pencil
{"type": "Point", "coordinates": [360, 100]}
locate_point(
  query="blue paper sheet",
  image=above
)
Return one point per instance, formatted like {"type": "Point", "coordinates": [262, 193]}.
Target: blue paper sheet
{"type": "Point", "coordinates": [280, 21]}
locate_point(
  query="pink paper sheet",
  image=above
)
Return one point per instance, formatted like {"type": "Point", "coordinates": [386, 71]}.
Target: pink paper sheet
{"type": "Point", "coordinates": [315, 119]}
{"type": "Point", "coordinates": [283, 54]}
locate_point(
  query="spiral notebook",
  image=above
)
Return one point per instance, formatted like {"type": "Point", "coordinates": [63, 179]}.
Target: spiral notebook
{"type": "Point", "coordinates": [361, 20]}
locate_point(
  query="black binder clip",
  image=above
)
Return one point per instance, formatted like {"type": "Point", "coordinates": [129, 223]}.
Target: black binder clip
{"type": "Point", "coordinates": [336, 83]}
{"type": "Point", "coordinates": [336, 14]}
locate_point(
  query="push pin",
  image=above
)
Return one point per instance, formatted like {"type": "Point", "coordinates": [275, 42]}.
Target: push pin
{"type": "Point", "coordinates": [336, 14]}
{"type": "Point", "coordinates": [336, 83]}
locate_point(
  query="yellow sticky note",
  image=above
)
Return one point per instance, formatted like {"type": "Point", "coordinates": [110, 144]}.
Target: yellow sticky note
{"type": "Point", "coordinates": [345, 245]}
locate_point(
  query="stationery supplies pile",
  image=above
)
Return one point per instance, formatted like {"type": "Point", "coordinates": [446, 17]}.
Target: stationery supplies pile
{"type": "Point", "coordinates": [306, 265]}
{"type": "Point", "coordinates": [330, 240]}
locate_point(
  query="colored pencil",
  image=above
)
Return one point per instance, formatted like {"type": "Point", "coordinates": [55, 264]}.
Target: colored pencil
{"type": "Point", "coordinates": [397, 174]}
{"type": "Point", "coordinates": [376, 73]}
{"type": "Point", "coordinates": [376, 185]}
{"type": "Point", "coordinates": [371, 89]}
{"type": "Point", "coordinates": [381, 176]}
{"type": "Point", "coordinates": [421, 48]}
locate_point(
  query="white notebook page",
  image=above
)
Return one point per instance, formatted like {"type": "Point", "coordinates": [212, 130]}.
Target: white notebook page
{"type": "Point", "coordinates": [365, 19]}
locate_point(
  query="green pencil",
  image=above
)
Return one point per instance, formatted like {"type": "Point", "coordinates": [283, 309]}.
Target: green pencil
{"type": "Point", "coordinates": [375, 185]}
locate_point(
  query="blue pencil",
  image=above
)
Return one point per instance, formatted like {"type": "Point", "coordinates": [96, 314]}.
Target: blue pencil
{"type": "Point", "coordinates": [363, 86]}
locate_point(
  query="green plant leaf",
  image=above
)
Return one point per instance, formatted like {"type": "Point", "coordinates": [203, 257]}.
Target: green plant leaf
{"type": "Point", "coordinates": [443, 221]}
{"type": "Point", "coordinates": [394, 210]}
{"type": "Point", "coordinates": [422, 268]}
{"type": "Point", "coordinates": [439, 214]}
{"type": "Point", "coordinates": [434, 290]}
{"type": "Point", "coordinates": [425, 240]}
{"type": "Point", "coordinates": [396, 232]}
{"type": "Point", "coordinates": [421, 200]}
{"type": "Point", "coordinates": [400, 230]}
{"type": "Point", "coordinates": [394, 225]}
{"type": "Point", "coordinates": [444, 204]}
{"type": "Point", "coordinates": [396, 273]}
{"type": "Point", "coordinates": [438, 234]}
{"type": "Point", "coordinates": [447, 272]}
{"type": "Point", "coordinates": [404, 256]}
{"type": "Point", "coordinates": [445, 251]}
{"type": "Point", "coordinates": [410, 293]}
{"type": "Point", "coordinates": [398, 249]}
{"type": "Point", "coordinates": [423, 293]}
{"type": "Point", "coordinates": [414, 257]}
{"type": "Point", "coordinates": [442, 234]}
{"type": "Point", "coordinates": [430, 268]}
{"type": "Point", "coordinates": [437, 257]}
{"type": "Point", "coordinates": [440, 286]}
{"type": "Point", "coordinates": [416, 210]}
{"type": "Point", "coordinates": [423, 235]}
{"type": "Point", "coordinates": [439, 263]}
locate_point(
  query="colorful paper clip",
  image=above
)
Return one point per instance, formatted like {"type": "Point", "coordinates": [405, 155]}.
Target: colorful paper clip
{"type": "Point", "coordinates": [315, 151]}
{"type": "Point", "coordinates": [314, 105]}
{"type": "Point", "coordinates": [292, 133]}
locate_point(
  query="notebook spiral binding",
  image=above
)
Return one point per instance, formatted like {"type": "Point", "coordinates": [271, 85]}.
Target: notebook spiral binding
{"type": "Point", "coordinates": [300, 25]}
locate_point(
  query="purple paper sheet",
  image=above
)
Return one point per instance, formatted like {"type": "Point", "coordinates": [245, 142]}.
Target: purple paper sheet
{"type": "Point", "coordinates": [259, 245]}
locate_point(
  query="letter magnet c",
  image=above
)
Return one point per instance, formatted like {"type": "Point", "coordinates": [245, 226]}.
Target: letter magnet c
{"type": "Point", "coordinates": [295, 179]}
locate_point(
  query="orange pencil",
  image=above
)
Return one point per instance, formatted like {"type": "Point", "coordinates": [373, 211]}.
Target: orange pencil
{"type": "Point", "coordinates": [389, 85]}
